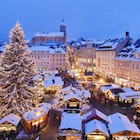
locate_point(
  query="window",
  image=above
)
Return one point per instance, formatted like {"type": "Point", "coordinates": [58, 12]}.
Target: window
{"type": "Point", "coordinates": [133, 66]}
{"type": "Point", "coordinates": [137, 66]}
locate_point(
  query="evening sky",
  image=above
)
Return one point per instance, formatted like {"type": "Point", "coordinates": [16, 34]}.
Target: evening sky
{"type": "Point", "coordinates": [99, 19]}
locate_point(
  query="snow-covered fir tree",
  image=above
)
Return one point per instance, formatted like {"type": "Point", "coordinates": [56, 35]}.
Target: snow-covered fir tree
{"type": "Point", "coordinates": [62, 93]}
{"type": "Point", "coordinates": [17, 93]}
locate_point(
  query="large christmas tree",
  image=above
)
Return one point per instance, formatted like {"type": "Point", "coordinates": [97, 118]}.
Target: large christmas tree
{"type": "Point", "coordinates": [17, 93]}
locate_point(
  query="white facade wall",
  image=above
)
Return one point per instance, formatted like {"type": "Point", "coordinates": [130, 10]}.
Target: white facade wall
{"type": "Point", "coordinates": [105, 62]}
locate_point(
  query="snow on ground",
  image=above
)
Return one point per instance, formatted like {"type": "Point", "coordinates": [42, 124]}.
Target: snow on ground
{"type": "Point", "coordinates": [22, 135]}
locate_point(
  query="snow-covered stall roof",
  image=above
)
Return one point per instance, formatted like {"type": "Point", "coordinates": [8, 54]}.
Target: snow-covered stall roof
{"type": "Point", "coordinates": [94, 125]}
{"type": "Point", "coordinates": [70, 96]}
{"type": "Point", "coordinates": [37, 77]}
{"type": "Point", "coordinates": [39, 111]}
{"type": "Point", "coordinates": [70, 120]}
{"type": "Point", "coordinates": [105, 88]}
{"type": "Point", "coordinates": [83, 93]}
{"type": "Point", "coordinates": [87, 94]}
{"type": "Point", "coordinates": [137, 87]}
{"type": "Point", "coordinates": [127, 89]}
{"type": "Point", "coordinates": [120, 123]}
{"type": "Point", "coordinates": [78, 92]}
{"type": "Point", "coordinates": [130, 95]}
{"type": "Point", "coordinates": [69, 88]}
{"type": "Point", "coordinates": [11, 118]}
{"type": "Point", "coordinates": [95, 112]}
{"type": "Point", "coordinates": [53, 81]}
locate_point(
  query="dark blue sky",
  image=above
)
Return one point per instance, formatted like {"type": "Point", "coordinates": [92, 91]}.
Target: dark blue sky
{"type": "Point", "coordinates": [99, 19]}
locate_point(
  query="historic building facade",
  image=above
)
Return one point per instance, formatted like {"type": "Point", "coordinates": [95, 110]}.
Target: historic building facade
{"type": "Point", "coordinates": [127, 65]}
{"type": "Point", "coordinates": [51, 36]}
{"type": "Point", "coordinates": [105, 56]}
{"type": "Point", "coordinates": [49, 57]}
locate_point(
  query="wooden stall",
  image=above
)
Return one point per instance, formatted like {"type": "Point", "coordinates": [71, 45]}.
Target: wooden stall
{"type": "Point", "coordinates": [36, 119]}
{"type": "Point", "coordinates": [10, 124]}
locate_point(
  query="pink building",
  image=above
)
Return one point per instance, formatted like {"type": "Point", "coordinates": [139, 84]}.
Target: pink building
{"type": "Point", "coordinates": [48, 57]}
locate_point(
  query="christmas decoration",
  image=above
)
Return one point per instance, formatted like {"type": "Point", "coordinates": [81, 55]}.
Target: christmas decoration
{"type": "Point", "coordinates": [17, 94]}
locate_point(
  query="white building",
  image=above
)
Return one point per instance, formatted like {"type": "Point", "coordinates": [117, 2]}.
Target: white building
{"type": "Point", "coordinates": [105, 55]}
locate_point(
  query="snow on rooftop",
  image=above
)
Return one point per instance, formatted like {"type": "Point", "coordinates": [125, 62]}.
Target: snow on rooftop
{"type": "Point", "coordinates": [120, 123]}
{"type": "Point", "coordinates": [39, 111]}
{"type": "Point", "coordinates": [70, 96]}
{"type": "Point", "coordinates": [48, 49]}
{"type": "Point", "coordinates": [87, 94]}
{"type": "Point", "coordinates": [127, 89]}
{"type": "Point", "coordinates": [130, 95]}
{"type": "Point", "coordinates": [69, 88]}
{"type": "Point", "coordinates": [53, 81]}
{"type": "Point", "coordinates": [50, 34]}
{"type": "Point", "coordinates": [37, 77]}
{"type": "Point", "coordinates": [70, 120]}
{"type": "Point", "coordinates": [105, 88]}
{"type": "Point", "coordinates": [95, 112]}
{"type": "Point", "coordinates": [109, 45]}
{"type": "Point", "coordinates": [94, 125]}
{"type": "Point", "coordinates": [11, 118]}
{"type": "Point", "coordinates": [127, 53]}
{"type": "Point", "coordinates": [77, 93]}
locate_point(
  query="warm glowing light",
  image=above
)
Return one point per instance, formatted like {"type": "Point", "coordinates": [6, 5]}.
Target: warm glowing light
{"type": "Point", "coordinates": [101, 81]}
{"type": "Point", "coordinates": [38, 113]}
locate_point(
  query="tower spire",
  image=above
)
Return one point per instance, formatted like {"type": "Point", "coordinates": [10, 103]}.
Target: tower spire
{"type": "Point", "coordinates": [63, 28]}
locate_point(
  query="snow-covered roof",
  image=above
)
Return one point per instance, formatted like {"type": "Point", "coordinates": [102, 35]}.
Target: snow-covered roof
{"type": "Point", "coordinates": [94, 125]}
{"type": "Point", "coordinates": [127, 53]}
{"type": "Point", "coordinates": [50, 34]}
{"type": "Point", "coordinates": [37, 77]}
{"type": "Point", "coordinates": [48, 49]}
{"type": "Point", "coordinates": [39, 111]}
{"type": "Point", "coordinates": [130, 95]}
{"type": "Point", "coordinates": [87, 94]}
{"type": "Point", "coordinates": [136, 87]}
{"type": "Point", "coordinates": [69, 88]}
{"type": "Point", "coordinates": [105, 88]}
{"type": "Point", "coordinates": [71, 120]}
{"type": "Point", "coordinates": [11, 118]}
{"type": "Point", "coordinates": [109, 44]}
{"type": "Point", "coordinates": [70, 96]}
{"type": "Point", "coordinates": [120, 123]}
{"type": "Point", "coordinates": [95, 112]}
{"type": "Point", "coordinates": [53, 81]}
{"type": "Point", "coordinates": [127, 89]}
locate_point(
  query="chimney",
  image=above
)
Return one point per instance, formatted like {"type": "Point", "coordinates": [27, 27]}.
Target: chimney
{"type": "Point", "coordinates": [53, 81]}
{"type": "Point", "coordinates": [127, 33]}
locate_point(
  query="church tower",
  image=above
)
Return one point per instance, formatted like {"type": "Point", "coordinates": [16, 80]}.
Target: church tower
{"type": "Point", "coordinates": [63, 29]}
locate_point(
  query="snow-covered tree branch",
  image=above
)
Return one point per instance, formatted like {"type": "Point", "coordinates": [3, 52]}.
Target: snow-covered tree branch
{"type": "Point", "coordinates": [17, 93]}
